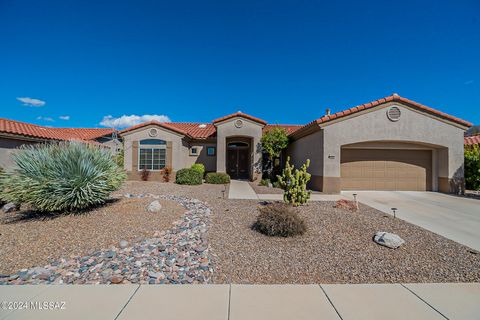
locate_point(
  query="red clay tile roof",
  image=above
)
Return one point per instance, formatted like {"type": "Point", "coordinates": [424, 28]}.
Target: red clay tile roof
{"type": "Point", "coordinates": [239, 114]}
{"type": "Point", "coordinates": [291, 128]}
{"type": "Point", "coordinates": [197, 130]}
{"type": "Point", "coordinates": [84, 133]}
{"type": "Point", "coordinates": [40, 132]}
{"type": "Point", "coordinates": [166, 125]}
{"type": "Point", "coordinates": [392, 98]}
{"type": "Point", "coordinates": [471, 140]}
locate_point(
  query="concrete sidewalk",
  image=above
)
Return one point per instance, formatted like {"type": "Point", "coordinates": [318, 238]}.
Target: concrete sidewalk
{"type": "Point", "coordinates": [242, 190]}
{"type": "Point", "coordinates": [247, 302]}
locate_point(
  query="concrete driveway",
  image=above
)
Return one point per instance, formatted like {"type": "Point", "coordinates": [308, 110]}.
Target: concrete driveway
{"type": "Point", "coordinates": [453, 217]}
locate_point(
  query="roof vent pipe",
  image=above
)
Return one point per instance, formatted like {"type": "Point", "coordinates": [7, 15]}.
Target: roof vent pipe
{"type": "Point", "coordinates": [327, 112]}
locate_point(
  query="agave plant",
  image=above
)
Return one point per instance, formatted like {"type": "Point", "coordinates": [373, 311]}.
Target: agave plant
{"type": "Point", "coordinates": [66, 176]}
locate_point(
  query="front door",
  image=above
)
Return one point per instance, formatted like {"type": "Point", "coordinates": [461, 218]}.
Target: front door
{"type": "Point", "coordinates": [238, 163]}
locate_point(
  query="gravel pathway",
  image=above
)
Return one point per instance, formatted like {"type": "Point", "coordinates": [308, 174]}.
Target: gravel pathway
{"type": "Point", "coordinates": [178, 255]}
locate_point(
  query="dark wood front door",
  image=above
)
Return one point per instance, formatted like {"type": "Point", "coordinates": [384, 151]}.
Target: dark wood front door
{"type": "Point", "coordinates": [238, 163]}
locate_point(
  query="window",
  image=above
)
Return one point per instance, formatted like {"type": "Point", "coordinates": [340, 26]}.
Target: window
{"type": "Point", "coordinates": [153, 142]}
{"type": "Point", "coordinates": [151, 158]}
{"type": "Point", "coordinates": [210, 151]}
{"type": "Point", "coordinates": [194, 151]}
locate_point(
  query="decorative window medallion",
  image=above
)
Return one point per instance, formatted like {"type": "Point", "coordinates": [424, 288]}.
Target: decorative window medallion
{"type": "Point", "coordinates": [393, 113]}
{"type": "Point", "coordinates": [238, 123]}
{"type": "Point", "coordinates": [153, 132]}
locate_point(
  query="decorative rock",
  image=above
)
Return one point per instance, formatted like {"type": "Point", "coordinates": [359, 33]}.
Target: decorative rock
{"type": "Point", "coordinates": [116, 279]}
{"type": "Point", "coordinates": [123, 244]}
{"type": "Point", "coordinates": [154, 206]}
{"type": "Point", "coordinates": [9, 207]}
{"type": "Point", "coordinates": [387, 239]}
{"type": "Point", "coordinates": [177, 255]}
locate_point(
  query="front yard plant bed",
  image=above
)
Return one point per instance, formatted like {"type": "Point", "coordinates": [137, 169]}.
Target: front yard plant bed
{"type": "Point", "coordinates": [176, 255]}
{"type": "Point", "coordinates": [337, 246]}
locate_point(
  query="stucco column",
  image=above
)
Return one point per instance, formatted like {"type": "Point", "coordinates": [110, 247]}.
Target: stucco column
{"type": "Point", "coordinates": [221, 153]}
{"type": "Point", "coordinates": [331, 165]}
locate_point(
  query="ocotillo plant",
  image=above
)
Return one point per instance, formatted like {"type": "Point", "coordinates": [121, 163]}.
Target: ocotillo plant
{"type": "Point", "coordinates": [294, 183]}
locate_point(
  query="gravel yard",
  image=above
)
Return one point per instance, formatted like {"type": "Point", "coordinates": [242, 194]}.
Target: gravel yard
{"type": "Point", "coordinates": [27, 239]}
{"type": "Point", "coordinates": [264, 189]}
{"type": "Point", "coordinates": [337, 247]}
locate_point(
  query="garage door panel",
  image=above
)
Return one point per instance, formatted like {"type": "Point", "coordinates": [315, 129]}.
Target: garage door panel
{"type": "Point", "coordinates": [386, 169]}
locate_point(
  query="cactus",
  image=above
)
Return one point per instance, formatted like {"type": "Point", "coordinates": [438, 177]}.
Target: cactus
{"type": "Point", "coordinates": [294, 183]}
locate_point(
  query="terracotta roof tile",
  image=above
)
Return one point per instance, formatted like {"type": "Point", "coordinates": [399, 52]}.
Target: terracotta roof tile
{"type": "Point", "coordinates": [291, 128]}
{"type": "Point", "coordinates": [239, 114]}
{"type": "Point", "coordinates": [190, 129]}
{"type": "Point", "coordinates": [471, 140]}
{"type": "Point", "coordinates": [393, 97]}
{"type": "Point", "coordinates": [40, 132]}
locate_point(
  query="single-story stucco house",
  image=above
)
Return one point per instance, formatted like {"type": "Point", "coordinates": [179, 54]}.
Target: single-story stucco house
{"type": "Point", "coordinates": [389, 144]}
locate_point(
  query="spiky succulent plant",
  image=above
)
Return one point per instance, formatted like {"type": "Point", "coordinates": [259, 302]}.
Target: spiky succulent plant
{"type": "Point", "coordinates": [59, 177]}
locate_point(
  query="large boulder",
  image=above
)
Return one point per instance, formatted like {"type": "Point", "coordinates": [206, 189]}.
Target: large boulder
{"type": "Point", "coordinates": [387, 239]}
{"type": "Point", "coordinates": [154, 206]}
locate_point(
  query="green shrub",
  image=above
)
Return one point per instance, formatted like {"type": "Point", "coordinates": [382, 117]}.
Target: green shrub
{"type": "Point", "coordinates": [294, 183]}
{"type": "Point", "coordinates": [67, 176]}
{"type": "Point", "coordinates": [279, 219]}
{"type": "Point", "coordinates": [217, 178]}
{"type": "Point", "coordinates": [188, 176]}
{"type": "Point", "coordinates": [273, 142]}
{"type": "Point", "coordinates": [199, 167]}
{"type": "Point", "coordinates": [264, 182]}
{"type": "Point", "coordinates": [472, 168]}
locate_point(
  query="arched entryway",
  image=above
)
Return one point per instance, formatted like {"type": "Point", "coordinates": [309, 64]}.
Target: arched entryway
{"type": "Point", "coordinates": [238, 157]}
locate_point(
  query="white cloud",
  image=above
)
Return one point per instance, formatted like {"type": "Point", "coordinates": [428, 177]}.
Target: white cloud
{"type": "Point", "coordinates": [31, 102]}
{"type": "Point", "coordinates": [64, 117]}
{"type": "Point", "coordinates": [469, 82]}
{"type": "Point", "coordinates": [45, 119]}
{"type": "Point", "coordinates": [127, 121]}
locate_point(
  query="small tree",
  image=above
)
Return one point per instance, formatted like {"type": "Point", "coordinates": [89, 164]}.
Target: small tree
{"type": "Point", "coordinates": [294, 183]}
{"type": "Point", "coordinates": [472, 167]}
{"type": "Point", "coordinates": [274, 142]}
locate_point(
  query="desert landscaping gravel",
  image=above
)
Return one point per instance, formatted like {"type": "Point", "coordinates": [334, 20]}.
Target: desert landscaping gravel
{"type": "Point", "coordinates": [337, 247]}
{"type": "Point", "coordinates": [28, 239]}
{"type": "Point", "coordinates": [265, 189]}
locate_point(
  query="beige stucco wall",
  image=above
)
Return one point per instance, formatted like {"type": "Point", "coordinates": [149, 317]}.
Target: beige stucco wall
{"type": "Point", "coordinates": [412, 127]}
{"type": "Point", "coordinates": [210, 162]}
{"type": "Point", "coordinates": [309, 147]}
{"type": "Point", "coordinates": [9, 146]}
{"type": "Point", "coordinates": [249, 129]}
{"type": "Point", "coordinates": [179, 146]}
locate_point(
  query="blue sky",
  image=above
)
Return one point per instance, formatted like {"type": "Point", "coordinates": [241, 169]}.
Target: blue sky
{"type": "Point", "coordinates": [285, 62]}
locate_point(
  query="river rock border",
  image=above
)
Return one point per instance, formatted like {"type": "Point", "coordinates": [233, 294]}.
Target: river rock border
{"type": "Point", "coordinates": [179, 255]}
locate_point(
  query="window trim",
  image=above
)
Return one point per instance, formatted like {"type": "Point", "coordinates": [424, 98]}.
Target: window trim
{"type": "Point", "coordinates": [191, 153]}
{"type": "Point", "coordinates": [214, 151]}
{"type": "Point", "coordinates": [151, 148]}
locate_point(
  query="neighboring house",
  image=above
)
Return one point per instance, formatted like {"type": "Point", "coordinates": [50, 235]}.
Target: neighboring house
{"type": "Point", "coordinates": [14, 134]}
{"type": "Point", "coordinates": [389, 144]}
{"type": "Point", "coordinates": [472, 140]}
